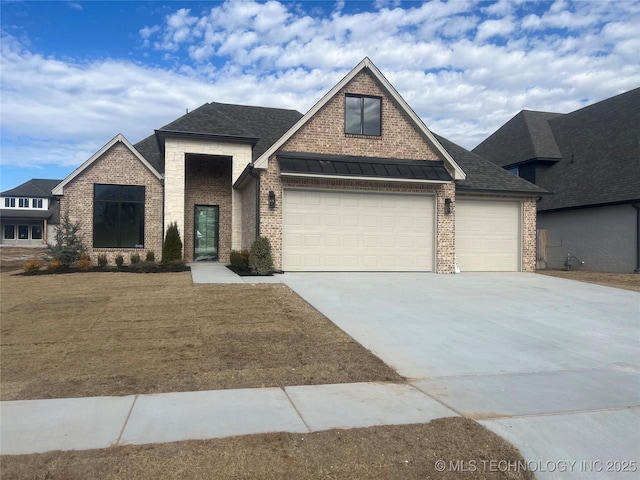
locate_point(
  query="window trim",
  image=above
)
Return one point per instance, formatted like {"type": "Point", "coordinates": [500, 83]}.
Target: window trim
{"type": "Point", "coordinates": [4, 232]}
{"type": "Point", "coordinates": [120, 201]}
{"type": "Point", "coordinates": [23, 238]}
{"type": "Point", "coordinates": [23, 202]}
{"type": "Point", "coordinates": [41, 236]}
{"type": "Point", "coordinates": [362, 115]}
{"type": "Point", "coordinates": [37, 203]}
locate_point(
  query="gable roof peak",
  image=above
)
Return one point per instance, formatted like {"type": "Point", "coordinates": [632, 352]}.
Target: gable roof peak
{"type": "Point", "coordinates": [367, 64]}
{"type": "Point", "coordinates": [119, 138]}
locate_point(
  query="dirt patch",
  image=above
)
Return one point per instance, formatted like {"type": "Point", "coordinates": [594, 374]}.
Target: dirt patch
{"type": "Point", "coordinates": [410, 452]}
{"type": "Point", "coordinates": [91, 334]}
{"type": "Point", "coordinates": [13, 258]}
{"type": "Point", "coordinates": [626, 281]}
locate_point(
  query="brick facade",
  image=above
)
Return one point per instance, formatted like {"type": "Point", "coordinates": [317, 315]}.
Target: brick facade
{"type": "Point", "coordinates": [120, 166]}
{"type": "Point", "coordinates": [208, 182]}
{"type": "Point", "coordinates": [248, 201]}
{"type": "Point", "coordinates": [324, 134]}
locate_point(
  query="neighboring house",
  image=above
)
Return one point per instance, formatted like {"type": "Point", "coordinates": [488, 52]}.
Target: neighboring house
{"type": "Point", "coordinates": [29, 213]}
{"type": "Point", "coordinates": [357, 183]}
{"type": "Point", "coordinates": [590, 160]}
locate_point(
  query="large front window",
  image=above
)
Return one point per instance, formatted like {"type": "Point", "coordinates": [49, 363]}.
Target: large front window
{"type": "Point", "coordinates": [362, 115]}
{"type": "Point", "coordinates": [118, 216]}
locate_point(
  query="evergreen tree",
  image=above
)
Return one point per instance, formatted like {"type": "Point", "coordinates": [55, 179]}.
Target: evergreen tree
{"type": "Point", "coordinates": [172, 247]}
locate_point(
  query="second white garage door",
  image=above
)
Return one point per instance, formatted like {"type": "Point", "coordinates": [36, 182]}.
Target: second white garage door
{"type": "Point", "coordinates": [344, 231]}
{"type": "Point", "coordinates": [488, 235]}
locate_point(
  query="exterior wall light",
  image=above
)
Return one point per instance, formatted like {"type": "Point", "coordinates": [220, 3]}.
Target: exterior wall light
{"type": "Point", "coordinates": [272, 199]}
{"type": "Point", "coordinates": [447, 206]}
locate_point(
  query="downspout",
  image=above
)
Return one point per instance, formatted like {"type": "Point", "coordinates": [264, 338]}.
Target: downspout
{"type": "Point", "coordinates": [257, 177]}
{"type": "Point", "coordinates": [637, 207]}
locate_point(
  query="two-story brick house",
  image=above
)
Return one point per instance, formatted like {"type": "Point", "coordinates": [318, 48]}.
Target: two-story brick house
{"type": "Point", "coordinates": [357, 183]}
{"type": "Point", "coordinates": [29, 213]}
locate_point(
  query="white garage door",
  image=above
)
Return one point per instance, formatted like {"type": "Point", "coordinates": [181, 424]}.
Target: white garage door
{"type": "Point", "coordinates": [488, 235]}
{"type": "Point", "coordinates": [343, 231]}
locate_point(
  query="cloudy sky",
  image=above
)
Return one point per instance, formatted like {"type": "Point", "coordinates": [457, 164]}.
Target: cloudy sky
{"type": "Point", "coordinates": [74, 74]}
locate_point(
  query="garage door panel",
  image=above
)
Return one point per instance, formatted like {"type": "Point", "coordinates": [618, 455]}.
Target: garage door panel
{"type": "Point", "coordinates": [488, 235]}
{"type": "Point", "coordinates": [357, 231]}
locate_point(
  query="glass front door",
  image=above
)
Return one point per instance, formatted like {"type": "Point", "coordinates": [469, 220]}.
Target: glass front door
{"type": "Point", "coordinates": [205, 233]}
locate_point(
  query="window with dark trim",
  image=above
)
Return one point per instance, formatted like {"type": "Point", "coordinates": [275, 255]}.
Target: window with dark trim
{"type": "Point", "coordinates": [118, 216]}
{"type": "Point", "coordinates": [9, 202]}
{"type": "Point", "coordinates": [36, 232]}
{"type": "Point", "coordinates": [9, 232]}
{"type": "Point", "coordinates": [23, 232]}
{"type": "Point", "coordinates": [23, 203]}
{"type": "Point", "coordinates": [36, 202]}
{"type": "Point", "coordinates": [363, 115]}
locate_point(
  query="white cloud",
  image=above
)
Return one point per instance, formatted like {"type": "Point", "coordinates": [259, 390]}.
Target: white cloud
{"type": "Point", "coordinates": [463, 69]}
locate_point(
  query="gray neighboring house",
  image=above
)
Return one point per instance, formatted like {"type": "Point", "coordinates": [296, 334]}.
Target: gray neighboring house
{"type": "Point", "coordinates": [590, 160]}
{"type": "Point", "coordinates": [29, 213]}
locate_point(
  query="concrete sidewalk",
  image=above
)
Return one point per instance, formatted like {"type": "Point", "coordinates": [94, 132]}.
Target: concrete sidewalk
{"type": "Point", "coordinates": [35, 426]}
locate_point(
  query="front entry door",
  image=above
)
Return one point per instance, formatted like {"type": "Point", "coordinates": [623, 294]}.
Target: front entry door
{"type": "Point", "coordinates": [205, 233]}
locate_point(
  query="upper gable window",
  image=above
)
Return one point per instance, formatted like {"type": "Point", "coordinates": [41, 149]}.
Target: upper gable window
{"type": "Point", "coordinates": [362, 115]}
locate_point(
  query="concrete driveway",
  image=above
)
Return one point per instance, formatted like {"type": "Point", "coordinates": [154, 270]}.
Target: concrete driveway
{"type": "Point", "coordinates": [550, 364]}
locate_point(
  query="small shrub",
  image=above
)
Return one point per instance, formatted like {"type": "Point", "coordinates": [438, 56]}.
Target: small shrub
{"type": "Point", "coordinates": [175, 266]}
{"type": "Point", "coordinates": [84, 263]}
{"type": "Point", "coordinates": [33, 265]}
{"type": "Point", "coordinates": [119, 260]}
{"type": "Point", "coordinates": [151, 256]}
{"type": "Point", "coordinates": [145, 267]}
{"type": "Point", "coordinates": [55, 265]}
{"type": "Point", "coordinates": [102, 260]}
{"type": "Point", "coordinates": [260, 260]}
{"type": "Point", "coordinates": [240, 259]}
{"type": "Point", "coordinates": [135, 258]}
{"type": "Point", "coordinates": [172, 246]}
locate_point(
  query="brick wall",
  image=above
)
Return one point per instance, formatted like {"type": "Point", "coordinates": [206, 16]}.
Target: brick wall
{"type": "Point", "coordinates": [118, 165]}
{"type": "Point", "coordinates": [208, 182]}
{"type": "Point", "coordinates": [248, 202]}
{"type": "Point", "coordinates": [324, 133]}
{"type": "Point", "coordinates": [529, 242]}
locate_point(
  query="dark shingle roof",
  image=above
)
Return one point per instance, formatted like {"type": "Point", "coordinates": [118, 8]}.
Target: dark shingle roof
{"type": "Point", "coordinates": [482, 175]}
{"type": "Point", "coordinates": [149, 149]}
{"type": "Point", "coordinates": [36, 187]}
{"type": "Point", "coordinates": [599, 148]}
{"type": "Point", "coordinates": [264, 123]}
{"type": "Point", "coordinates": [353, 166]}
{"type": "Point", "coordinates": [524, 137]}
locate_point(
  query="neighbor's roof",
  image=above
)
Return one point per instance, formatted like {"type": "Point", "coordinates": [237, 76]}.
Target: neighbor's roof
{"type": "Point", "coordinates": [36, 187]}
{"type": "Point", "coordinates": [485, 176]}
{"type": "Point", "coordinates": [599, 152]}
{"type": "Point", "coordinates": [24, 213]}
{"type": "Point", "coordinates": [526, 136]}
{"type": "Point", "coordinates": [264, 125]}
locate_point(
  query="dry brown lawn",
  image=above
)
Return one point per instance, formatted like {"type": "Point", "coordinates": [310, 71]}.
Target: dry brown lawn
{"type": "Point", "coordinates": [626, 281]}
{"type": "Point", "coordinates": [92, 334]}
{"type": "Point", "coordinates": [407, 452]}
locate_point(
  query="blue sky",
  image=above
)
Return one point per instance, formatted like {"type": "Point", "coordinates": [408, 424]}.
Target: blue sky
{"type": "Point", "coordinates": [75, 74]}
